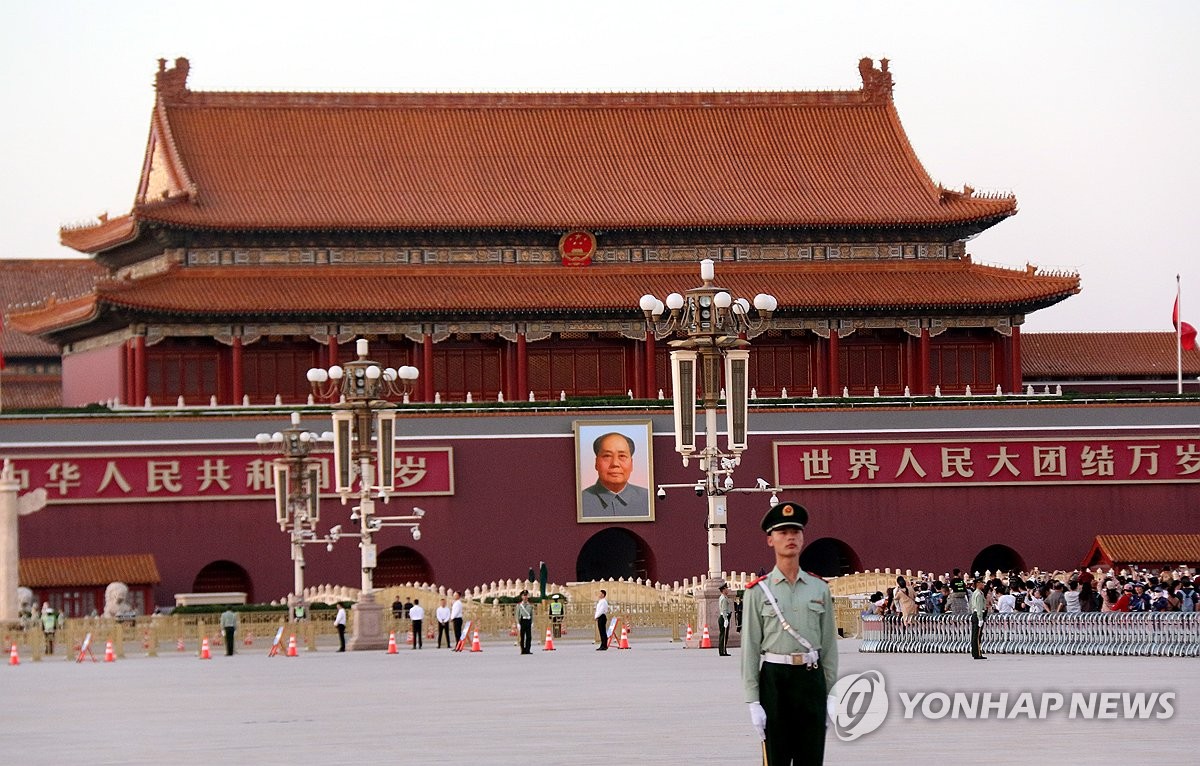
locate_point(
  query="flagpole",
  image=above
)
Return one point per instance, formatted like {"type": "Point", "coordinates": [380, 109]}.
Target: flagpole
{"type": "Point", "coordinates": [1178, 338]}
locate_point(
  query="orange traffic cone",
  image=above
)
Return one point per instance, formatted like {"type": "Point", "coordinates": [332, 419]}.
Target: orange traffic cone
{"type": "Point", "coordinates": [513, 630]}
{"type": "Point", "coordinates": [291, 652]}
{"type": "Point", "coordinates": [205, 654]}
{"type": "Point", "coordinates": [146, 639]}
{"type": "Point", "coordinates": [475, 647]}
{"type": "Point", "coordinates": [624, 644]}
{"type": "Point", "coordinates": [549, 647]}
{"type": "Point", "coordinates": [248, 640]}
{"type": "Point", "coordinates": [688, 639]}
{"type": "Point", "coordinates": [13, 657]}
{"type": "Point", "coordinates": [705, 639]}
{"type": "Point", "coordinates": [392, 643]}
{"type": "Point", "coordinates": [408, 638]}
{"type": "Point", "coordinates": [108, 652]}
{"type": "Point", "coordinates": [179, 645]}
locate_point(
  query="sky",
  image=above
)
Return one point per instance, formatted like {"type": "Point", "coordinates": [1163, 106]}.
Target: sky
{"type": "Point", "coordinates": [1085, 109]}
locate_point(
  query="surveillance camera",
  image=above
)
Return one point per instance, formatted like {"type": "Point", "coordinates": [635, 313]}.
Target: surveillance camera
{"type": "Point", "coordinates": [774, 499]}
{"type": "Point", "coordinates": [419, 512]}
{"type": "Point", "coordinates": [699, 490]}
{"type": "Point", "coordinates": [329, 547]}
{"type": "Point", "coordinates": [762, 483]}
{"type": "Point", "coordinates": [416, 533]}
{"type": "Point", "coordinates": [661, 493]}
{"type": "Point", "coordinates": [728, 482]}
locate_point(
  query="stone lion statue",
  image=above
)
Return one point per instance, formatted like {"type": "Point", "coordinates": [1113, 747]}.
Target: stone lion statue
{"type": "Point", "coordinates": [25, 602]}
{"type": "Point", "coordinates": [116, 600]}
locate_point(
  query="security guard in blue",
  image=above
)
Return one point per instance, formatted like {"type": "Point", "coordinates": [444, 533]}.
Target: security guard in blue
{"type": "Point", "coordinates": [789, 647]}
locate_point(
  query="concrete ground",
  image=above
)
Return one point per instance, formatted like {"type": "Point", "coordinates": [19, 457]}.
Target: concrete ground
{"type": "Point", "coordinates": [654, 704]}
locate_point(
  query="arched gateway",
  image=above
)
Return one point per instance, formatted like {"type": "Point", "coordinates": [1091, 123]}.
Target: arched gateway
{"type": "Point", "coordinates": [829, 557]}
{"type": "Point", "coordinates": [615, 553]}
{"type": "Point", "coordinates": [399, 565]}
{"type": "Point", "coordinates": [224, 577]}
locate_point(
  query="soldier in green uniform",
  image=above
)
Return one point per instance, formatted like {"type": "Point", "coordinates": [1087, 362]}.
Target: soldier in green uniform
{"type": "Point", "coordinates": [978, 614]}
{"type": "Point", "coordinates": [789, 647]}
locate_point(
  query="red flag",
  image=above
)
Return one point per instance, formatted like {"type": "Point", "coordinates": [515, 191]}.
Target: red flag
{"type": "Point", "coordinates": [1187, 333]}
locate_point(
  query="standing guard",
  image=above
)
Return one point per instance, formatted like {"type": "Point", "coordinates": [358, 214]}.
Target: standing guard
{"type": "Point", "coordinates": [789, 647]}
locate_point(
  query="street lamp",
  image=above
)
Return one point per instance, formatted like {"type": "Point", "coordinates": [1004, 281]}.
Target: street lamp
{"type": "Point", "coordinates": [361, 415]}
{"type": "Point", "coordinates": [297, 481]}
{"type": "Point", "coordinates": [713, 324]}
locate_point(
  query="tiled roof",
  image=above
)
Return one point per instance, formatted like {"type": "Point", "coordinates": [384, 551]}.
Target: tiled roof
{"type": "Point", "coordinates": [1066, 355]}
{"type": "Point", "coordinates": [71, 571]}
{"type": "Point", "coordinates": [26, 282]}
{"type": "Point", "coordinates": [30, 392]}
{"type": "Point", "coordinates": [1171, 550]}
{"type": "Point", "coordinates": [108, 233]}
{"type": "Point", "coordinates": [457, 291]}
{"type": "Point", "coordinates": [428, 161]}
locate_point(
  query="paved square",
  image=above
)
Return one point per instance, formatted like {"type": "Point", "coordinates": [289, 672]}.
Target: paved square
{"type": "Point", "coordinates": [654, 704]}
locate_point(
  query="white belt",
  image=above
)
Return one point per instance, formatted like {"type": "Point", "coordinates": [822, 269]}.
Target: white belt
{"type": "Point", "coordinates": [809, 659]}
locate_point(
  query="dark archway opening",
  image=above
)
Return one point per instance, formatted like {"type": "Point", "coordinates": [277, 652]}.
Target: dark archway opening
{"type": "Point", "coordinates": [997, 558]}
{"type": "Point", "coordinates": [615, 553]}
{"type": "Point", "coordinates": [829, 557]}
{"type": "Point", "coordinates": [224, 577]}
{"type": "Point", "coordinates": [400, 565]}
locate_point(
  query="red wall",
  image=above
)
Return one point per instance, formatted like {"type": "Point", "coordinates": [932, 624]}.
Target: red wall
{"type": "Point", "coordinates": [514, 505]}
{"type": "Point", "coordinates": [92, 376]}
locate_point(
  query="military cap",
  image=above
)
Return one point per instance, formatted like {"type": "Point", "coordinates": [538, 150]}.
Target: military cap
{"type": "Point", "coordinates": [785, 515]}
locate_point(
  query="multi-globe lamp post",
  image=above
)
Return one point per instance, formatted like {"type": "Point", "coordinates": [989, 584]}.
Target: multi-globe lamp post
{"type": "Point", "coordinates": [712, 325]}
{"type": "Point", "coordinates": [297, 482]}
{"type": "Point", "coordinates": [364, 452]}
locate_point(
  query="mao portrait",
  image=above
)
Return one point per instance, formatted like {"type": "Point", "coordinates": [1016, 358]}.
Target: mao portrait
{"type": "Point", "coordinates": [614, 471]}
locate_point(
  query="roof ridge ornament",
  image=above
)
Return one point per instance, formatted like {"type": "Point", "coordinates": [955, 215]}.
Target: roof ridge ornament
{"type": "Point", "coordinates": [877, 83]}
{"type": "Point", "coordinates": [172, 83]}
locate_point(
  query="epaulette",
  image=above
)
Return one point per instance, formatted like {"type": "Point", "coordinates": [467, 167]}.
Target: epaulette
{"type": "Point", "coordinates": [755, 581]}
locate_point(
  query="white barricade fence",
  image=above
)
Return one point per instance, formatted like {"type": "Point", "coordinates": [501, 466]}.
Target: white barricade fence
{"type": "Point", "coordinates": [1159, 634]}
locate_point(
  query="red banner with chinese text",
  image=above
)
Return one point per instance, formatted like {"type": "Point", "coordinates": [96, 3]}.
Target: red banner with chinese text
{"type": "Point", "coordinates": [979, 462]}
{"type": "Point", "coordinates": [181, 476]}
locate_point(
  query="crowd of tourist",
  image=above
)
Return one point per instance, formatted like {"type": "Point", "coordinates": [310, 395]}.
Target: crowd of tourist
{"type": "Point", "coordinates": [1080, 591]}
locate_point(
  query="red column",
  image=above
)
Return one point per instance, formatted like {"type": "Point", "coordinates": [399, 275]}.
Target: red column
{"type": "Point", "coordinates": [1015, 381]}
{"type": "Point", "coordinates": [522, 367]}
{"type": "Point", "coordinates": [427, 367]}
{"type": "Point", "coordinates": [236, 371]}
{"type": "Point", "coordinates": [817, 373]}
{"type": "Point", "coordinates": [651, 366]}
{"type": "Point", "coordinates": [923, 387]}
{"type": "Point", "coordinates": [127, 374]}
{"type": "Point", "coordinates": [835, 378]}
{"type": "Point", "coordinates": [331, 351]}
{"type": "Point", "coordinates": [139, 370]}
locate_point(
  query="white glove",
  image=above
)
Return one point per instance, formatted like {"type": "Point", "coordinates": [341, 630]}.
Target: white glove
{"type": "Point", "coordinates": [758, 719]}
{"type": "Point", "coordinates": [831, 707]}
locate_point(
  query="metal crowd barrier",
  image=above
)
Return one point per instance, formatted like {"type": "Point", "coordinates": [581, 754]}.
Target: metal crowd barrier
{"type": "Point", "coordinates": [1145, 634]}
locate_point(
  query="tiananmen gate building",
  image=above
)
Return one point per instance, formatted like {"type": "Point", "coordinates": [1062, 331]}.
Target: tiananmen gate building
{"type": "Point", "coordinates": [500, 242]}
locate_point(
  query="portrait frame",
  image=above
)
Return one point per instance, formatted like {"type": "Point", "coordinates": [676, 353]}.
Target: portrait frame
{"type": "Point", "coordinates": [588, 508]}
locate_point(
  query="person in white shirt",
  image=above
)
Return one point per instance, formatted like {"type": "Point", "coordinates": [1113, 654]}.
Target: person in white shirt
{"type": "Point", "coordinates": [443, 621]}
{"type": "Point", "coordinates": [1071, 596]}
{"type": "Point", "coordinates": [340, 622]}
{"type": "Point", "coordinates": [1006, 603]}
{"type": "Point", "coordinates": [602, 620]}
{"type": "Point", "coordinates": [1035, 602]}
{"type": "Point", "coordinates": [417, 615]}
{"type": "Point", "coordinates": [456, 617]}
